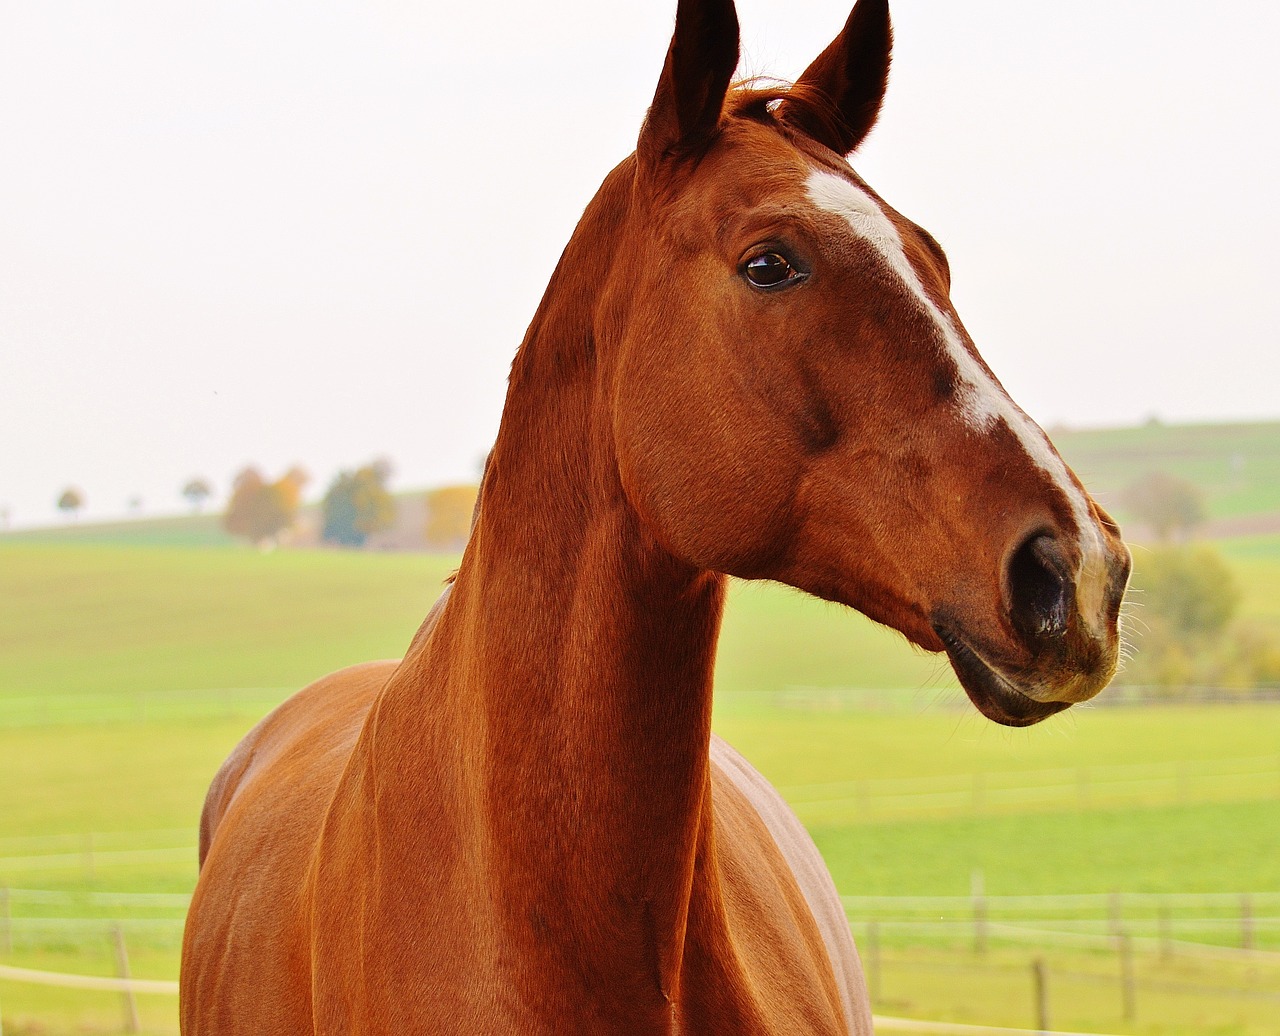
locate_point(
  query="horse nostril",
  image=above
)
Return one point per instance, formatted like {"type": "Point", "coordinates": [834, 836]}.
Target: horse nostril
{"type": "Point", "coordinates": [1039, 588]}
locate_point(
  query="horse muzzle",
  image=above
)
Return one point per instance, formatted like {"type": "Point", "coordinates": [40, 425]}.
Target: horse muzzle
{"type": "Point", "coordinates": [1064, 636]}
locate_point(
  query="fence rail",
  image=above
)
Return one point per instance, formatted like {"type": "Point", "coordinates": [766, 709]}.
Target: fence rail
{"type": "Point", "coordinates": [873, 699]}
{"type": "Point", "coordinates": [59, 897]}
{"type": "Point", "coordinates": [885, 1024]}
{"type": "Point", "coordinates": [140, 707]}
{"type": "Point", "coordinates": [1132, 986]}
{"type": "Point", "coordinates": [1235, 926]}
{"type": "Point", "coordinates": [167, 988]}
{"type": "Point", "coordinates": [17, 710]}
{"type": "Point", "coordinates": [1085, 787]}
{"type": "Point", "coordinates": [33, 977]}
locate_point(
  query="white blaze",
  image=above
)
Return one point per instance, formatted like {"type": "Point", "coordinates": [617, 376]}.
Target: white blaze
{"type": "Point", "coordinates": [980, 400]}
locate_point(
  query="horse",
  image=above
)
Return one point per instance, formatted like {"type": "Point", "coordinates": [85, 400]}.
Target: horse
{"type": "Point", "coordinates": [745, 364]}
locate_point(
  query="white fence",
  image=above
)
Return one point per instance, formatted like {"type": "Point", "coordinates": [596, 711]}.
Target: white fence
{"type": "Point", "coordinates": [1108, 922]}
{"type": "Point", "coordinates": [213, 703]}
{"type": "Point", "coordinates": [131, 986]}
{"type": "Point", "coordinates": [1083, 788]}
{"type": "Point", "coordinates": [1217, 924]}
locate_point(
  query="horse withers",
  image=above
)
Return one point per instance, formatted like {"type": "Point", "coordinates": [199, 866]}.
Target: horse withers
{"type": "Point", "coordinates": [746, 363]}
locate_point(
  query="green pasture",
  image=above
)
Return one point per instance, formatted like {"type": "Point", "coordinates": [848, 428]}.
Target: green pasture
{"type": "Point", "coordinates": [90, 619]}
{"type": "Point", "coordinates": [186, 530]}
{"type": "Point", "coordinates": [127, 674]}
{"type": "Point", "coordinates": [107, 619]}
{"type": "Point", "coordinates": [1255, 562]}
{"type": "Point", "coordinates": [1236, 466]}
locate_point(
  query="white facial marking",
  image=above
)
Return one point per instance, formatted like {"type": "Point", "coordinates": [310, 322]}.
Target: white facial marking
{"type": "Point", "coordinates": [980, 400]}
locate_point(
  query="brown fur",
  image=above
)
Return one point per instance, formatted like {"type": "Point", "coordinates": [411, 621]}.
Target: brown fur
{"type": "Point", "coordinates": [519, 828]}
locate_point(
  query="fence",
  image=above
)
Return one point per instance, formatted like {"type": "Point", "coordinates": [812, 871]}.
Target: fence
{"type": "Point", "coordinates": [253, 702]}
{"type": "Point", "coordinates": [86, 856]}
{"type": "Point", "coordinates": [1140, 950]}
{"type": "Point", "coordinates": [1082, 788]}
{"type": "Point", "coordinates": [62, 709]}
{"type": "Point", "coordinates": [129, 987]}
{"type": "Point", "coordinates": [873, 699]}
{"type": "Point", "coordinates": [1221, 924]}
{"type": "Point", "coordinates": [963, 935]}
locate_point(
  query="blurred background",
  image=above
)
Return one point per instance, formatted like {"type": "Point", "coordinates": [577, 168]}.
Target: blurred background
{"type": "Point", "coordinates": [262, 271]}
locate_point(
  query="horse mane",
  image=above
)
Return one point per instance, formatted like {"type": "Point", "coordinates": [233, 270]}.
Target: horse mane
{"type": "Point", "coordinates": [793, 108]}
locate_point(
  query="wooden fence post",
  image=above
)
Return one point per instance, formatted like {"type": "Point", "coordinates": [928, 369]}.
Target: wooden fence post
{"type": "Point", "coordinates": [1166, 932]}
{"type": "Point", "coordinates": [6, 938]}
{"type": "Point", "coordinates": [1246, 922]}
{"type": "Point", "coordinates": [131, 1023]}
{"type": "Point", "coordinates": [978, 894]}
{"type": "Point", "coordinates": [1128, 999]}
{"type": "Point", "coordinates": [1040, 982]}
{"type": "Point", "coordinates": [873, 961]}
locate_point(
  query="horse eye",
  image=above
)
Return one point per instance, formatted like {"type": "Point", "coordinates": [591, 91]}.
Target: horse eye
{"type": "Point", "coordinates": [768, 270]}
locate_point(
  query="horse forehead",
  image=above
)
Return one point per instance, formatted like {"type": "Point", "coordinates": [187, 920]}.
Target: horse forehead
{"type": "Point", "coordinates": [861, 212]}
{"type": "Point", "coordinates": [751, 166]}
{"type": "Point", "coordinates": [981, 402]}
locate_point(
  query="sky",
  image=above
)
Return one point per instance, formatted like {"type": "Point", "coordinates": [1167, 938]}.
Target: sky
{"type": "Point", "coordinates": [313, 232]}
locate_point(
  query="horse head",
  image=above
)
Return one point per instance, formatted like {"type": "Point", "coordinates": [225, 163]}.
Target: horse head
{"type": "Point", "coordinates": [795, 398]}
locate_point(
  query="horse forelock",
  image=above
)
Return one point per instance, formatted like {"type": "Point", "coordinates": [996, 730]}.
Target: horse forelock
{"type": "Point", "coordinates": [762, 100]}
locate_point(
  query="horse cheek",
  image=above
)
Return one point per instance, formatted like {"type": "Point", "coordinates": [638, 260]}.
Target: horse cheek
{"type": "Point", "coordinates": [711, 479]}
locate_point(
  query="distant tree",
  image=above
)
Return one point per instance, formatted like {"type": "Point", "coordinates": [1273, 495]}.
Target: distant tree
{"type": "Point", "coordinates": [1182, 625]}
{"type": "Point", "coordinates": [1171, 506]}
{"type": "Point", "coordinates": [449, 513]}
{"type": "Point", "coordinates": [197, 491]}
{"type": "Point", "coordinates": [241, 517]}
{"type": "Point", "coordinates": [1188, 590]}
{"type": "Point", "coordinates": [290, 487]}
{"type": "Point", "coordinates": [71, 501]}
{"type": "Point", "coordinates": [259, 511]}
{"type": "Point", "coordinates": [358, 504]}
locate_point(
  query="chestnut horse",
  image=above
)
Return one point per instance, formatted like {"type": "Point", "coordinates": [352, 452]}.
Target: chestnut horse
{"type": "Point", "coordinates": [746, 364]}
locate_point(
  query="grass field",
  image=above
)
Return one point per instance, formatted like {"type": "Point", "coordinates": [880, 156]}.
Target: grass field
{"type": "Point", "coordinates": [1236, 466]}
{"type": "Point", "coordinates": [127, 673]}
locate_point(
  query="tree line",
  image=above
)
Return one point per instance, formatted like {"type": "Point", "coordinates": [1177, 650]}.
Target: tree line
{"type": "Point", "coordinates": [356, 506]}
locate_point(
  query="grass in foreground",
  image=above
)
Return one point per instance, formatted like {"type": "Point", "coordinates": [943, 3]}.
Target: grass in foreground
{"type": "Point", "coordinates": [90, 627]}
{"type": "Point", "coordinates": [1182, 996]}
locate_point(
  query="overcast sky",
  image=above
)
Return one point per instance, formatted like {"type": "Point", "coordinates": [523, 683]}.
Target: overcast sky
{"type": "Point", "coordinates": [314, 232]}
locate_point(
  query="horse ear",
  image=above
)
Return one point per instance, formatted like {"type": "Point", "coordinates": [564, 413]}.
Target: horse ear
{"type": "Point", "coordinates": [700, 62]}
{"type": "Point", "coordinates": [847, 79]}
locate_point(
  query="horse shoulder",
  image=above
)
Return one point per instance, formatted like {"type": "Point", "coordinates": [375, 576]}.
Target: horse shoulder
{"type": "Point", "coordinates": [261, 821]}
{"type": "Point", "coordinates": [318, 721]}
{"type": "Point", "coordinates": [311, 732]}
{"type": "Point", "coordinates": [756, 812]}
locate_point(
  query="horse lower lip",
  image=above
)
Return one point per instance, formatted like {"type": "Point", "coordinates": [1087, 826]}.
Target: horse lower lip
{"type": "Point", "coordinates": [992, 693]}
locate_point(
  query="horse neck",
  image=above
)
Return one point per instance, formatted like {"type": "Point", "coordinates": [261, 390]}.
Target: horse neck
{"type": "Point", "coordinates": [578, 660]}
